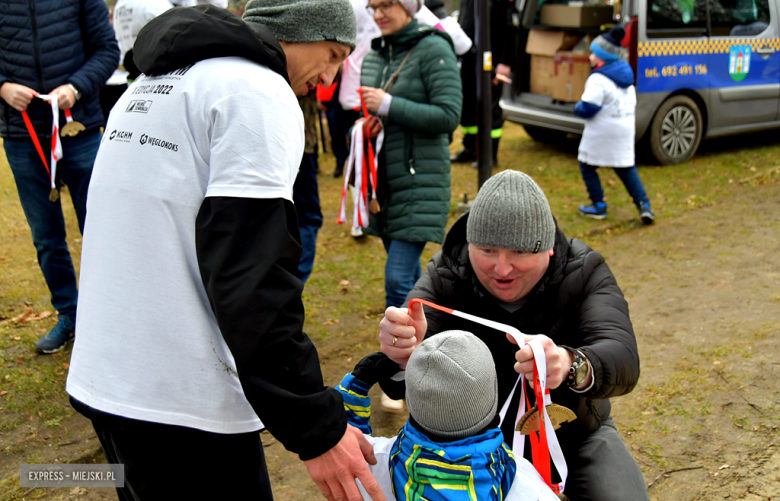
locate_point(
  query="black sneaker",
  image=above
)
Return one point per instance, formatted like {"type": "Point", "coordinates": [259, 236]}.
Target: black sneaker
{"type": "Point", "coordinates": [463, 156]}
{"type": "Point", "coordinates": [339, 171]}
{"type": "Point", "coordinates": [58, 338]}
{"type": "Point", "coordinates": [646, 213]}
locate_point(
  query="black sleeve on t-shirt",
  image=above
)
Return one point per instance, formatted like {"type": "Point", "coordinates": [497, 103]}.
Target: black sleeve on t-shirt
{"type": "Point", "coordinates": [248, 252]}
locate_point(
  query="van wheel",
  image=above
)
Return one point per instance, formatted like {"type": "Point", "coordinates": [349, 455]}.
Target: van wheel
{"type": "Point", "coordinates": [543, 135]}
{"type": "Point", "coordinates": [676, 130]}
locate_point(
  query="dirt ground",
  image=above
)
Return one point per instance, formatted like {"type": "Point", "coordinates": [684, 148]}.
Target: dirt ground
{"type": "Point", "coordinates": [703, 422]}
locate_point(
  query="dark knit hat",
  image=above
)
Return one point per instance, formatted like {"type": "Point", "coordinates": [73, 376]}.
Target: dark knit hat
{"type": "Point", "coordinates": [451, 385]}
{"type": "Point", "coordinates": [607, 46]}
{"type": "Point", "coordinates": [511, 212]}
{"type": "Point", "coordinates": [305, 20]}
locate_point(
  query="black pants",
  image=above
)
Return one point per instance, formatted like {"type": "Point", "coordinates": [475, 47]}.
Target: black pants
{"type": "Point", "coordinates": [601, 468]}
{"type": "Point", "coordinates": [173, 462]}
{"type": "Point", "coordinates": [468, 114]}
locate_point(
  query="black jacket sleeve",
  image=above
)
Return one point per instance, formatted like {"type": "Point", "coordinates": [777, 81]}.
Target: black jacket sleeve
{"type": "Point", "coordinates": [607, 335]}
{"type": "Point", "coordinates": [248, 252]}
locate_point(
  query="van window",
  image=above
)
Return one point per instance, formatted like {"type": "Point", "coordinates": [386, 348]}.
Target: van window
{"type": "Point", "coordinates": [676, 18]}
{"type": "Point", "coordinates": [742, 18]}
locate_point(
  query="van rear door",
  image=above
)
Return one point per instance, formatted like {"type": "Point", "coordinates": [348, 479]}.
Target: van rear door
{"type": "Point", "coordinates": [744, 64]}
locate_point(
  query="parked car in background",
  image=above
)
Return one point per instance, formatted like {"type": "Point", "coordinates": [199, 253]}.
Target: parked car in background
{"type": "Point", "coordinates": [704, 68]}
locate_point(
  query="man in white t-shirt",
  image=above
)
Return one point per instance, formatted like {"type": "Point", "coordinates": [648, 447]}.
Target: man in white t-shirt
{"type": "Point", "coordinates": [190, 322]}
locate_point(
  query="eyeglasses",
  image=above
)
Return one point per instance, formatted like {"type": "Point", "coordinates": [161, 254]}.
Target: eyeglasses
{"type": "Point", "coordinates": [384, 8]}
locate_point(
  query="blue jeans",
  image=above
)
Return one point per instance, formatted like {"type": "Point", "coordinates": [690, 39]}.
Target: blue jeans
{"type": "Point", "coordinates": [306, 197]}
{"type": "Point", "coordinates": [402, 269]}
{"type": "Point", "coordinates": [44, 217]}
{"type": "Point", "coordinates": [629, 176]}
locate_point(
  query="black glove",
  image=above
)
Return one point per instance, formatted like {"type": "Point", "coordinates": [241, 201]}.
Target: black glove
{"type": "Point", "coordinates": [375, 367]}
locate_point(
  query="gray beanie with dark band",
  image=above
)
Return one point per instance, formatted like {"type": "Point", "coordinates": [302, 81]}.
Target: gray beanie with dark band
{"type": "Point", "coordinates": [511, 212]}
{"type": "Point", "coordinates": [451, 385]}
{"type": "Point", "coordinates": [305, 20]}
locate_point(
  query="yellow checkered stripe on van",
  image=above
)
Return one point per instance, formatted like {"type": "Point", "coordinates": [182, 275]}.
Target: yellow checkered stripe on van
{"type": "Point", "coordinates": [687, 47]}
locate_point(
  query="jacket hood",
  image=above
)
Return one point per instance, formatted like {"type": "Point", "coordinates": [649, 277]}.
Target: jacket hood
{"type": "Point", "coordinates": [619, 72]}
{"type": "Point", "coordinates": [184, 36]}
{"type": "Point", "coordinates": [455, 254]}
{"type": "Point", "coordinates": [410, 35]}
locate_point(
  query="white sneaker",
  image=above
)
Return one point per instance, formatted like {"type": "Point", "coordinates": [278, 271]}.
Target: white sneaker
{"type": "Point", "coordinates": [357, 232]}
{"type": "Point", "coordinates": [391, 406]}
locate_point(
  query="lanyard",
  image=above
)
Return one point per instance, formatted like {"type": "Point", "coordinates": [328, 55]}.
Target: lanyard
{"type": "Point", "coordinates": [362, 160]}
{"type": "Point", "coordinates": [56, 144]}
{"type": "Point", "coordinates": [546, 446]}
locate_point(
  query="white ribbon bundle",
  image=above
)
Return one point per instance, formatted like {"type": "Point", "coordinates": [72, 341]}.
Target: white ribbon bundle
{"type": "Point", "coordinates": [359, 164]}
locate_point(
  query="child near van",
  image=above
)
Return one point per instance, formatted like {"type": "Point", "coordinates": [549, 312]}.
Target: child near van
{"type": "Point", "coordinates": [451, 448]}
{"type": "Point", "coordinates": [608, 106]}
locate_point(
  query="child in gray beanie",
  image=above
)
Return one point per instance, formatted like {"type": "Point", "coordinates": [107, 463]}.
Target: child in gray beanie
{"type": "Point", "coordinates": [451, 448]}
{"type": "Point", "coordinates": [305, 20]}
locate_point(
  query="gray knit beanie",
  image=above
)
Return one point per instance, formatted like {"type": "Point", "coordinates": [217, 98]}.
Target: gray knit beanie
{"type": "Point", "coordinates": [305, 20]}
{"type": "Point", "coordinates": [511, 212]}
{"type": "Point", "coordinates": [451, 385]}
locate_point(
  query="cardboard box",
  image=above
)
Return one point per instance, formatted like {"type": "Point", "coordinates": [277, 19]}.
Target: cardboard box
{"type": "Point", "coordinates": [568, 16]}
{"type": "Point", "coordinates": [572, 70]}
{"type": "Point", "coordinates": [542, 46]}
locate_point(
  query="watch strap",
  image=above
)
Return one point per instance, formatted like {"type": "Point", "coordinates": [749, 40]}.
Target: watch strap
{"type": "Point", "coordinates": [76, 92]}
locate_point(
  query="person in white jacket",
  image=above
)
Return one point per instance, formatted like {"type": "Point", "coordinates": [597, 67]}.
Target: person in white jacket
{"type": "Point", "coordinates": [451, 448]}
{"type": "Point", "coordinates": [608, 106]}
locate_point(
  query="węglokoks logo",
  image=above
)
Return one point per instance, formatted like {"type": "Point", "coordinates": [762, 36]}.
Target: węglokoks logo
{"type": "Point", "coordinates": [153, 141]}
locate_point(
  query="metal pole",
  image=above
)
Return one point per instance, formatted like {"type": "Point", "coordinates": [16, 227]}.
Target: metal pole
{"type": "Point", "coordinates": [483, 69]}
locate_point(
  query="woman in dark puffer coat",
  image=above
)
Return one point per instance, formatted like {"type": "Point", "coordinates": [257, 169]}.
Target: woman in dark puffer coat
{"type": "Point", "coordinates": [419, 110]}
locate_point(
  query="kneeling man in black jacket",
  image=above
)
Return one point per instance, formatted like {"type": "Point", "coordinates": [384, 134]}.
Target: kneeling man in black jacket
{"type": "Point", "coordinates": [507, 261]}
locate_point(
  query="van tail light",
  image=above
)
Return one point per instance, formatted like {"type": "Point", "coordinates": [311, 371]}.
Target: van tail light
{"type": "Point", "coordinates": [630, 42]}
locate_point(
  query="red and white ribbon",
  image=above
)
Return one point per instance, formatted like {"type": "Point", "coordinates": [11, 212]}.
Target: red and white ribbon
{"type": "Point", "coordinates": [548, 446]}
{"type": "Point", "coordinates": [56, 143]}
{"type": "Point", "coordinates": [361, 161]}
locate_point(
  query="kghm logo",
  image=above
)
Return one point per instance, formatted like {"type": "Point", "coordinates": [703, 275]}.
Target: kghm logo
{"type": "Point", "coordinates": [153, 141]}
{"type": "Point", "coordinates": [139, 106]}
{"type": "Point", "coordinates": [120, 135]}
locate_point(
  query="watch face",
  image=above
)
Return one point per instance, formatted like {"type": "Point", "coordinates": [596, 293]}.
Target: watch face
{"type": "Point", "coordinates": [582, 372]}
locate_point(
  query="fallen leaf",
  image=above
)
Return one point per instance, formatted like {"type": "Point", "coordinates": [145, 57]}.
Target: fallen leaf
{"type": "Point", "coordinates": [38, 316]}
{"type": "Point", "coordinates": [723, 467]}
{"type": "Point", "coordinates": [66, 365]}
{"type": "Point", "coordinates": [3, 393]}
{"type": "Point", "coordinates": [344, 283]}
{"type": "Point", "coordinates": [19, 318]}
{"type": "Point", "coordinates": [336, 320]}
{"type": "Point", "coordinates": [738, 425]}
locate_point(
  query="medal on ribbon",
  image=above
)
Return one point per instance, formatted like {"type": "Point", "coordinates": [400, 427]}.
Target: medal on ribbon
{"type": "Point", "coordinates": [56, 144]}
{"type": "Point", "coordinates": [72, 127]}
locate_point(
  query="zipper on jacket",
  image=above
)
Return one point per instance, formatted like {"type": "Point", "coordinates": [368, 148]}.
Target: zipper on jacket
{"type": "Point", "coordinates": [36, 47]}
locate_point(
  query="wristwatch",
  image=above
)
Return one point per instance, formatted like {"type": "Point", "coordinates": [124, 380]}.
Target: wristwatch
{"type": "Point", "coordinates": [579, 370]}
{"type": "Point", "coordinates": [76, 92]}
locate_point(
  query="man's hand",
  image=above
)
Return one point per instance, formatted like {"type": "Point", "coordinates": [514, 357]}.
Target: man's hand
{"type": "Point", "coordinates": [408, 328]}
{"type": "Point", "coordinates": [558, 359]}
{"type": "Point", "coordinates": [374, 125]}
{"type": "Point", "coordinates": [335, 471]}
{"type": "Point", "coordinates": [373, 97]}
{"type": "Point", "coordinates": [17, 96]}
{"type": "Point", "coordinates": [65, 97]}
{"type": "Point", "coordinates": [502, 74]}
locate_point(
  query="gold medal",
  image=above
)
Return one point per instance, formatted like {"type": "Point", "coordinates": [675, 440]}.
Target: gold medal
{"type": "Point", "coordinates": [54, 195]}
{"type": "Point", "coordinates": [558, 415]}
{"type": "Point", "coordinates": [71, 129]}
